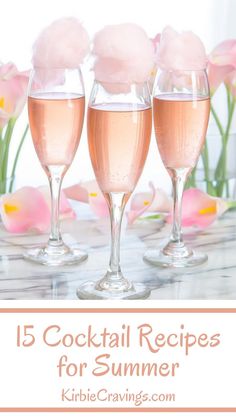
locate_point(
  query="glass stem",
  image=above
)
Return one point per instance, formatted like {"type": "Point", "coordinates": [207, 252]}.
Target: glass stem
{"type": "Point", "coordinates": [176, 246]}
{"type": "Point", "coordinates": [117, 203]}
{"type": "Point", "coordinates": [178, 180]}
{"type": "Point", "coordinates": [56, 174]}
{"type": "Point", "coordinates": [114, 281]}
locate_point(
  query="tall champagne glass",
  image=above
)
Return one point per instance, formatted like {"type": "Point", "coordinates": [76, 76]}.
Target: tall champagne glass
{"type": "Point", "coordinates": [119, 130]}
{"type": "Point", "coordinates": [181, 107]}
{"type": "Point", "coordinates": [56, 112]}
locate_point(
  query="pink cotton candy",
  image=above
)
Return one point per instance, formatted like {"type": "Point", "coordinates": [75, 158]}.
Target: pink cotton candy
{"type": "Point", "coordinates": [124, 55]}
{"type": "Point", "coordinates": [155, 43]}
{"type": "Point", "coordinates": [63, 44]}
{"type": "Point", "coordinates": [180, 51]}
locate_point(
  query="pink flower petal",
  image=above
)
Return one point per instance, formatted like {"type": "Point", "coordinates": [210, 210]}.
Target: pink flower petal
{"type": "Point", "coordinates": [200, 209]}
{"type": "Point", "coordinates": [217, 75]}
{"type": "Point", "coordinates": [224, 53]}
{"type": "Point", "coordinates": [230, 81]}
{"type": "Point", "coordinates": [222, 61]}
{"type": "Point", "coordinates": [89, 192]}
{"type": "Point", "coordinates": [13, 89]}
{"type": "Point", "coordinates": [77, 192]}
{"type": "Point", "coordinates": [65, 208]}
{"type": "Point", "coordinates": [154, 201]}
{"type": "Point", "coordinates": [25, 210]}
{"type": "Point", "coordinates": [140, 203]}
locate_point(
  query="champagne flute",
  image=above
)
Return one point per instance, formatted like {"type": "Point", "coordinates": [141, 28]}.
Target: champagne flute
{"type": "Point", "coordinates": [181, 107]}
{"type": "Point", "coordinates": [119, 131]}
{"type": "Point", "coordinates": [56, 112]}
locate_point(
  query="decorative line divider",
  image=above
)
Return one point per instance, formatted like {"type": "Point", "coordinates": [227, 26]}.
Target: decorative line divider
{"type": "Point", "coordinates": [118, 310]}
{"type": "Point", "coordinates": [119, 409]}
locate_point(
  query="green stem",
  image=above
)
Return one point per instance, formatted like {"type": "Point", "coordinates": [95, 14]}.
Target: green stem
{"type": "Point", "coordinates": [191, 181]}
{"type": "Point", "coordinates": [1, 149]}
{"type": "Point", "coordinates": [232, 205]}
{"type": "Point", "coordinates": [217, 120]}
{"type": "Point", "coordinates": [230, 118]}
{"type": "Point", "coordinates": [17, 157]}
{"type": "Point", "coordinates": [205, 160]}
{"type": "Point", "coordinates": [228, 98]}
{"type": "Point", "coordinates": [151, 217]}
{"type": "Point", "coordinates": [220, 172]}
{"type": "Point", "coordinates": [5, 153]}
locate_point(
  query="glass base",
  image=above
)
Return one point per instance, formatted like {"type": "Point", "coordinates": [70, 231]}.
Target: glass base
{"type": "Point", "coordinates": [160, 259]}
{"type": "Point", "coordinates": [55, 255]}
{"type": "Point", "coordinates": [92, 291]}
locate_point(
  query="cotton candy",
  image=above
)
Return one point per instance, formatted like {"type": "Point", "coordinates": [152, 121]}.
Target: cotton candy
{"type": "Point", "coordinates": [124, 55]}
{"type": "Point", "coordinates": [180, 51]}
{"type": "Point", "coordinates": [63, 44]}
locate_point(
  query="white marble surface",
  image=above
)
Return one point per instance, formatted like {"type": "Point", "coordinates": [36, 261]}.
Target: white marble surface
{"type": "Point", "coordinates": [216, 279]}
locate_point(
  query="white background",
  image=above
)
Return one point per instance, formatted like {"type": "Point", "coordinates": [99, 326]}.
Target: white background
{"type": "Point", "coordinates": [124, 304]}
{"type": "Point", "coordinates": [22, 20]}
{"type": "Point", "coordinates": [204, 378]}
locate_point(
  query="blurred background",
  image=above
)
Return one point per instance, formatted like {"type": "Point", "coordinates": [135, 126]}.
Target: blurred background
{"type": "Point", "coordinates": [21, 21]}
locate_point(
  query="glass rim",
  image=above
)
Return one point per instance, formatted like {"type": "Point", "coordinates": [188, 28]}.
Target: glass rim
{"type": "Point", "coordinates": [197, 96]}
{"type": "Point", "coordinates": [120, 83]}
{"type": "Point", "coordinates": [54, 68]}
{"type": "Point", "coordinates": [172, 70]}
{"type": "Point", "coordinates": [33, 95]}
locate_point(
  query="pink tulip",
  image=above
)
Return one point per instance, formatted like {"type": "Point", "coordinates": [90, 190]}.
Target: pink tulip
{"type": "Point", "coordinates": [13, 88]}
{"type": "Point", "coordinates": [222, 61]}
{"type": "Point", "coordinates": [200, 209]}
{"type": "Point", "coordinates": [25, 210]}
{"type": "Point", "coordinates": [230, 82]}
{"type": "Point", "coordinates": [154, 201]}
{"type": "Point", "coordinates": [30, 209]}
{"type": "Point", "coordinates": [90, 193]}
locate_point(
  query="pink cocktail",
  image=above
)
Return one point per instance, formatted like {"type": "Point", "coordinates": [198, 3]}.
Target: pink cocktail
{"type": "Point", "coordinates": [181, 108]}
{"type": "Point", "coordinates": [118, 137]}
{"type": "Point", "coordinates": [56, 114]}
{"type": "Point", "coordinates": [119, 130]}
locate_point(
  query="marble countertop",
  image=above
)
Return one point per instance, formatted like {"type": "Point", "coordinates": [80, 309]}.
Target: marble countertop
{"type": "Point", "coordinates": [23, 280]}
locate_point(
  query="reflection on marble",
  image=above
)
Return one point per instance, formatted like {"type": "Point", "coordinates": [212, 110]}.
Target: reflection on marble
{"type": "Point", "coordinates": [23, 280]}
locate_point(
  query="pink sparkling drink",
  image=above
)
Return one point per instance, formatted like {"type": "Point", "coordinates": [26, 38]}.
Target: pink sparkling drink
{"type": "Point", "coordinates": [119, 137]}
{"type": "Point", "coordinates": [56, 121]}
{"type": "Point", "coordinates": [180, 126]}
